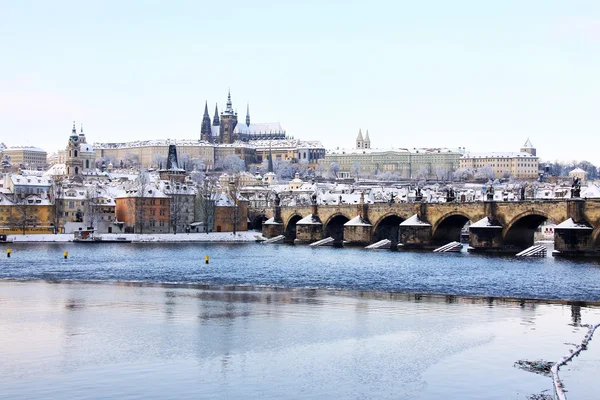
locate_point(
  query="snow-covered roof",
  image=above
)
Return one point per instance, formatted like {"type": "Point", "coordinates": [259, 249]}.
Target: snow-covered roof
{"type": "Point", "coordinates": [485, 223]}
{"type": "Point", "coordinates": [20, 180]}
{"type": "Point", "coordinates": [591, 192]}
{"type": "Point", "coordinates": [150, 192]}
{"type": "Point", "coordinates": [414, 221]}
{"type": "Point", "coordinates": [570, 224]}
{"type": "Point", "coordinates": [577, 171]}
{"type": "Point", "coordinates": [286, 144]}
{"type": "Point", "coordinates": [26, 148]}
{"type": "Point", "coordinates": [86, 148]}
{"type": "Point", "coordinates": [528, 144]}
{"type": "Point", "coordinates": [499, 154]}
{"type": "Point", "coordinates": [402, 150]}
{"type": "Point", "coordinates": [147, 143]}
{"type": "Point", "coordinates": [224, 200]}
{"type": "Point", "coordinates": [357, 221]}
{"type": "Point", "coordinates": [258, 129]}
{"type": "Point", "coordinates": [310, 220]}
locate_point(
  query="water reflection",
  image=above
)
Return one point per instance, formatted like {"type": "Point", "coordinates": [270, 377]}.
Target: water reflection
{"type": "Point", "coordinates": [124, 339]}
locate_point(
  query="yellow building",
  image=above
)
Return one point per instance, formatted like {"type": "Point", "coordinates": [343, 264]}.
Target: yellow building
{"type": "Point", "coordinates": [29, 215]}
{"type": "Point", "coordinates": [516, 165]}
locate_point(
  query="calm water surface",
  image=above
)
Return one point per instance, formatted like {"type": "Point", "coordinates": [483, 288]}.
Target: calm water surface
{"type": "Point", "coordinates": [153, 321]}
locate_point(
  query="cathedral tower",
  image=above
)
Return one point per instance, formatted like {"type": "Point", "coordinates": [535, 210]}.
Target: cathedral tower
{"type": "Point", "coordinates": [228, 123]}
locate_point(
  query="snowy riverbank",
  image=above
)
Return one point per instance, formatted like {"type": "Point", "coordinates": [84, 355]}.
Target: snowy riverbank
{"type": "Point", "coordinates": [222, 237]}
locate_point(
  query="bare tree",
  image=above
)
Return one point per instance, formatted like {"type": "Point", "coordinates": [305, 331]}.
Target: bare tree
{"type": "Point", "coordinates": [23, 214]}
{"type": "Point", "coordinates": [159, 160]}
{"type": "Point", "coordinates": [205, 202]}
{"type": "Point", "coordinates": [131, 160]}
{"type": "Point", "coordinates": [56, 196]}
{"type": "Point", "coordinates": [236, 214]}
{"type": "Point", "coordinates": [141, 186]}
{"type": "Point", "coordinates": [356, 169]}
{"type": "Point", "coordinates": [92, 208]}
{"type": "Point", "coordinates": [484, 173]}
{"type": "Point", "coordinates": [231, 164]}
{"type": "Point", "coordinates": [334, 168]}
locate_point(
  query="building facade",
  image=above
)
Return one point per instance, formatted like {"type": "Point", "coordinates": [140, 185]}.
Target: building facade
{"type": "Point", "coordinates": [520, 165]}
{"type": "Point", "coordinates": [26, 157]}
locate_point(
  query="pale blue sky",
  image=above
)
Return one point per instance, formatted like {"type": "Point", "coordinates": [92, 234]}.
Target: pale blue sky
{"type": "Point", "coordinates": [485, 75]}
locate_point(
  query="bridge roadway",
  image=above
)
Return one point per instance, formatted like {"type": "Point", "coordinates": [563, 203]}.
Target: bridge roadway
{"type": "Point", "coordinates": [495, 226]}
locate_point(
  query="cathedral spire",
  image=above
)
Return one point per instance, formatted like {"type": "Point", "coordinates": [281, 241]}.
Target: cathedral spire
{"type": "Point", "coordinates": [248, 114]}
{"type": "Point", "coordinates": [229, 107]}
{"type": "Point", "coordinates": [216, 117]}
{"type": "Point", "coordinates": [74, 131]}
{"type": "Point", "coordinates": [205, 130]}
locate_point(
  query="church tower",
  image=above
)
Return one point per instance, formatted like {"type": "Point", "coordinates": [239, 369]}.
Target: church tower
{"type": "Point", "coordinates": [360, 142]}
{"type": "Point", "coordinates": [205, 129]}
{"type": "Point", "coordinates": [367, 142]}
{"type": "Point", "coordinates": [248, 115]}
{"type": "Point", "coordinates": [228, 122]}
{"type": "Point", "coordinates": [528, 148]}
{"type": "Point", "coordinates": [74, 163]}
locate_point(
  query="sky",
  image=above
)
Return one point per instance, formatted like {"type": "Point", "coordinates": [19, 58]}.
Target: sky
{"type": "Point", "coordinates": [475, 74]}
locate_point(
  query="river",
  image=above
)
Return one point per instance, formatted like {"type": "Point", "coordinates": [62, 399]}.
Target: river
{"type": "Point", "coordinates": [154, 321]}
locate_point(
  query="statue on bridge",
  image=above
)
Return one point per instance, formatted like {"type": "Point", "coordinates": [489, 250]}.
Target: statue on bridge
{"type": "Point", "coordinates": [523, 193]}
{"type": "Point", "coordinates": [277, 200]}
{"type": "Point", "coordinates": [418, 194]}
{"type": "Point", "coordinates": [392, 198]}
{"type": "Point", "coordinates": [313, 199]}
{"type": "Point", "coordinates": [576, 188]}
{"type": "Point", "coordinates": [450, 195]}
{"type": "Point", "coordinates": [490, 193]}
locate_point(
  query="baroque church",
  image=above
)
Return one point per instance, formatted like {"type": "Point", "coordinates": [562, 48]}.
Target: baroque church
{"type": "Point", "coordinates": [226, 129]}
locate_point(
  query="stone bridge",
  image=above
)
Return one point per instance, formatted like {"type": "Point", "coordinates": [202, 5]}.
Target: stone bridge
{"type": "Point", "coordinates": [495, 226]}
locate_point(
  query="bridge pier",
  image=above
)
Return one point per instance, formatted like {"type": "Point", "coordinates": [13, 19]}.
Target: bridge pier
{"type": "Point", "coordinates": [273, 226]}
{"type": "Point", "coordinates": [574, 237]}
{"type": "Point", "coordinates": [310, 228]}
{"type": "Point", "coordinates": [415, 234]}
{"type": "Point", "coordinates": [485, 235]}
{"type": "Point", "coordinates": [357, 231]}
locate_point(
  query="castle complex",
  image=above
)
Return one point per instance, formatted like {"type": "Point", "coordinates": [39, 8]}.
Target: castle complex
{"type": "Point", "coordinates": [219, 138]}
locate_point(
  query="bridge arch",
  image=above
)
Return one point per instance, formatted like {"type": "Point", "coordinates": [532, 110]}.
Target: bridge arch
{"type": "Point", "coordinates": [257, 221]}
{"type": "Point", "coordinates": [596, 238]}
{"type": "Point", "coordinates": [290, 228]}
{"type": "Point", "coordinates": [387, 227]}
{"type": "Point", "coordinates": [449, 227]}
{"type": "Point", "coordinates": [519, 231]}
{"type": "Point", "coordinates": [334, 227]}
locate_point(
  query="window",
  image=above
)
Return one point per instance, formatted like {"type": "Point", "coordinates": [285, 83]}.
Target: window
{"type": "Point", "coordinates": [162, 212]}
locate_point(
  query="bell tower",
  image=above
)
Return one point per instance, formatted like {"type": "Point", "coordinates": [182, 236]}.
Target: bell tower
{"type": "Point", "coordinates": [74, 163]}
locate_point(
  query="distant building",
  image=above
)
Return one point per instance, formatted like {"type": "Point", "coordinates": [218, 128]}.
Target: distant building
{"type": "Point", "coordinates": [520, 165]}
{"type": "Point", "coordinates": [422, 163]}
{"type": "Point", "coordinates": [578, 173]}
{"type": "Point", "coordinates": [146, 211]}
{"type": "Point", "coordinates": [26, 157]}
